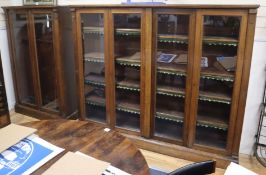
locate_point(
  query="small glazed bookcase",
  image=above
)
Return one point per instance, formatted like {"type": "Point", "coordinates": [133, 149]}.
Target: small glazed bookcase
{"type": "Point", "coordinates": [42, 71]}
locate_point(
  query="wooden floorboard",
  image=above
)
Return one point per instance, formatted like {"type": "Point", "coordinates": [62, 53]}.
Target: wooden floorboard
{"type": "Point", "coordinates": [163, 162]}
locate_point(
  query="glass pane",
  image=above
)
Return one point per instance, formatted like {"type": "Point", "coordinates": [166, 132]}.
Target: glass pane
{"type": "Point", "coordinates": [218, 64]}
{"type": "Point", "coordinates": [46, 62]}
{"type": "Point", "coordinates": [94, 70]}
{"type": "Point", "coordinates": [127, 32]}
{"type": "Point", "coordinates": [22, 59]}
{"type": "Point", "coordinates": [172, 61]}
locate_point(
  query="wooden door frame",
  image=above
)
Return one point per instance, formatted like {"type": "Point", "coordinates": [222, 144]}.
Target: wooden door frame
{"type": "Point", "coordinates": [9, 25]}
{"type": "Point", "coordinates": [13, 55]}
{"type": "Point", "coordinates": [143, 131]}
{"type": "Point", "coordinates": [77, 32]}
{"type": "Point", "coordinates": [196, 77]}
{"type": "Point", "coordinates": [56, 54]}
{"type": "Point", "coordinates": [252, 16]}
{"type": "Point", "coordinates": [59, 70]}
{"type": "Point", "coordinates": [191, 33]}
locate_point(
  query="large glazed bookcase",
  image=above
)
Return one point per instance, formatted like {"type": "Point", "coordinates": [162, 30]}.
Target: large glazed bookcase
{"type": "Point", "coordinates": [173, 78]}
{"type": "Point", "coordinates": [42, 63]}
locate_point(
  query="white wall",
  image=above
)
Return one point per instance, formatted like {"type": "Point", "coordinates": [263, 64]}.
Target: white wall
{"type": "Point", "coordinates": [5, 57]}
{"type": "Point", "coordinates": [257, 77]}
{"type": "Point", "coordinates": [256, 83]}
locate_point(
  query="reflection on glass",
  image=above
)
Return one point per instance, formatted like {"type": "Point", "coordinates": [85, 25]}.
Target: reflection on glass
{"type": "Point", "coordinates": [22, 58]}
{"type": "Point", "coordinates": [218, 64]}
{"type": "Point", "coordinates": [46, 62]}
{"type": "Point", "coordinates": [127, 29]}
{"type": "Point", "coordinates": [172, 60]}
{"type": "Point", "coordinates": [94, 70]}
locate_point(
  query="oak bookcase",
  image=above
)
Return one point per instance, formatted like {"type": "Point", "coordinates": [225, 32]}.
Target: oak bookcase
{"type": "Point", "coordinates": [43, 69]}
{"type": "Point", "coordinates": [173, 78]}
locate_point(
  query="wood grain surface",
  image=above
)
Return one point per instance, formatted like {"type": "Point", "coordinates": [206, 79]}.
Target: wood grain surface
{"type": "Point", "coordinates": [92, 140]}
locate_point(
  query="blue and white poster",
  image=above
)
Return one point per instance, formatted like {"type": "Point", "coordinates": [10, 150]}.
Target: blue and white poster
{"type": "Point", "coordinates": [27, 156]}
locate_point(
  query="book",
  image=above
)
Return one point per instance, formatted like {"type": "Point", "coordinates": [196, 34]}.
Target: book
{"type": "Point", "coordinates": [166, 58]}
{"type": "Point", "coordinates": [204, 62]}
{"type": "Point", "coordinates": [228, 63]}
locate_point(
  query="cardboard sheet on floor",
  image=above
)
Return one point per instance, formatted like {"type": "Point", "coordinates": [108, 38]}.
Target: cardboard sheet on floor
{"type": "Point", "coordinates": [12, 134]}
{"type": "Point", "coordinates": [72, 163]}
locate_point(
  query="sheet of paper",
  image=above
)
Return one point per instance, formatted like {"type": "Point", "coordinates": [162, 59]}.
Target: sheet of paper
{"type": "Point", "coordinates": [12, 134]}
{"type": "Point", "coordinates": [111, 170]}
{"type": "Point", "coordinates": [27, 156]}
{"type": "Point", "coordinates": [234, 169]}
{"type": "Point", "coordinates": [72, 163]}
{"type": "Point", "coordinates": [114, 171]}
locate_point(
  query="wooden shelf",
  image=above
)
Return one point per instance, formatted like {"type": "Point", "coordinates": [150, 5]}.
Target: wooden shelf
{"type": "Point", "coordinates": [171, 69]}
{"type": "Point", "coordinates": [163, 90]}
{"type": "Point", "coordinates": [95, 57]}
{"type": "Point", "coordinates": [95, 101]}
{"type": "Point", "coordinates": [93, 30]}
{"type": "Point", "coordinates": [214, 74]}
{"type": "Point", "coordinates": [119, 31]}
{"type": "Point", "coordinates": [215, 97]}
{"type": "Point", "coordinates": [211, 73]}
{"type": "Point", "coordinates": [126, 106]}
{"type": "Point", "coordinates": [129, 85]}
{"type": "Point", "coordinates": [212, 122]}
{"type": "Point", "coordinates": [134, 108]}
{"type": "Point", "coordinates": [203, 121]}
{"type": "Point", "coordinates": [180, 70]}
{"type": "Point", "coordinates": [94, 79]}
{"type": "Point", "coordinates": [209, 40]}
{"type": "Point", "coordinates": [128, 62]}
{"type": "Point", "coordinates": [225, 41]}
{"type": "Point", "coordinates": [170, 115]}
{"type": "Point", "coordinates": [166, 38]}
{"type": "Point", "coordinates": [182, 39]}
{"type": "Point", "coordinates": [127, 32]}
{"type": "Point", "coordinates": [170, 91]}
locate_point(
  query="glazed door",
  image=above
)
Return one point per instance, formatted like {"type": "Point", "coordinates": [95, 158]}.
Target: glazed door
{"type": "Point", "coordinates": [126, 55]}
{"type": "Point", "coordinates": [45, 60]}
{"type": "Point", "coordinates": [172, 62]}
{"type": "Point", "coordinates": [218, 74]}
{"type": "Point", "coordinates": [93, 64]}
{"type": "Point", "coordinates": [21, 53]}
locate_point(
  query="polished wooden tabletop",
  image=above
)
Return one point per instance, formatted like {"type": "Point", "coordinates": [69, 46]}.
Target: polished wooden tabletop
{"type": "Point", "coordinates": [92, 140]}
